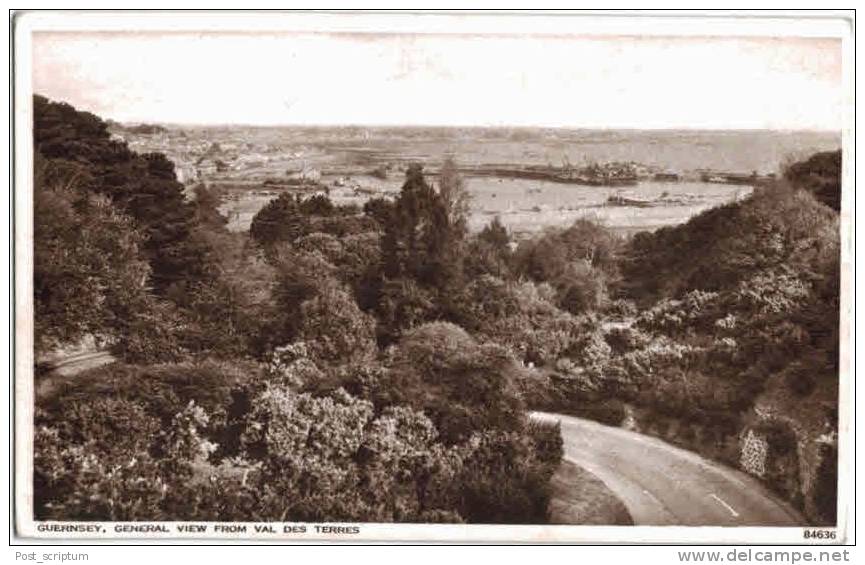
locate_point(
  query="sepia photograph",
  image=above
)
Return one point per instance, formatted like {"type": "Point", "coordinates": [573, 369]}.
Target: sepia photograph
{"type": "Point", "coordinates": [435, 276]}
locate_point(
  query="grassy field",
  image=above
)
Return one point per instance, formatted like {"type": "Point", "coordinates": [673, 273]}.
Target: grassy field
{"type": "Point", "coordinates": [580, 498]}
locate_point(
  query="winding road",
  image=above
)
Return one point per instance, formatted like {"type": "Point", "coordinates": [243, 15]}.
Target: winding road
{"type": "Point", "coordinates": [662, 485]}
{"type": "Point", "coordinates": [49, 373]}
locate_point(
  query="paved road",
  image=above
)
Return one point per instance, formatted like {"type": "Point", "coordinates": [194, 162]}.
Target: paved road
{"type": "Point", "coordinates": [50, 373]}
{"type": "Point", "coordinates": [73, 364]}
{"type": "Point", "coordinates": [664, 485]}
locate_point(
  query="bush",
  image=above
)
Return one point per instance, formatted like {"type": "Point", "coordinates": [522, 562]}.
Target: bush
{"type": "Point", "coordinates": [520, 316]}
{"type": "Point", "coordinates": [503, 481]}
{"type": "Point", "coordinates": [163, 390]}
{"type": "Point", "coordinates": [89, 277]}
{"type": "Point", "coordinates": [379, 209]}
{"type": "Point", "coordinates": [402, 305]}
{"type": "Point", "coordinates": [580, 288]}
{"type": "Point", "coordinates": [120, 465]}
{"type": "Point", "coordinates": [826, 485]}
{"type": "Point", "coordinates": [610, 412]}
{"type": "Point", "coordinates": [547, 257]}
{"type": "Point", "coordinates": [463, 386]}
{"type": "Point", "coordinates": [780, 437]}
{"type": "Point", "coordinates": [547, 436]}
{"type": "Point", "coordinates": [330, 459]}
{"type": "Point", "coordinates": [335, 329]}
{"type": "Point", "coordinates": [821, 175]}
{"type": "Point", "coordinates": [624, 339]}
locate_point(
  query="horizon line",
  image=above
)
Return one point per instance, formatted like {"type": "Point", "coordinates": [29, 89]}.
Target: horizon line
{"type": "Point", "coordinates": [166, 124]}
{"type": "Point", "coordinates": [134, 122]}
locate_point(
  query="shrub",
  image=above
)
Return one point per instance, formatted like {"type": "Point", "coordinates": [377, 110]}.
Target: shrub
{"type": "Point", "coordinates": [521, 317]}
{"type": "Point", "coordinates": [328, 458]}
{"type": "Point", "coordinates": [502, 481]}
{"type": "Point", "coordinates": [119, 465]}
{"type": "Point", "coordinates": [463, 386]}
{"type": "Point", "coordinates": [547, 436]}
{"type": "Point", "coordinates": [402, 305]}
{"type": "Point", "coordinates": [826, 484]}
{"type": "Point", "coordinates": [581, 288]}
{"type": "Point", "coordinates": [279, 220]}
{"type": "Point", "coordinates": [779, 436]}
{"type": "Point", "coordinates": [547, 257]}
{"type": "Point", "coordinates": [621, 308]}
{"type": "Point", "coordinates": [89, 277]}
{"type": "Point", "coordinates": [379, 209]}
{"type": "Point", "coordinates": [163, 390]}
{"type": "Point", "coordinates": [610, 412]}
{"type": "Point", "coordinates": [624, 339]}
{"type": "Point", "coordinates": [335, 329]}
{"type": "Point", "coordinates": [821, 175]}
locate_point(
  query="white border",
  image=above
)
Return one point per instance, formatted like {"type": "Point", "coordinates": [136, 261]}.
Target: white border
{"type": "Point", "coordinates": [663, 23]}
{"type": "Point", "coordinates": [815, 24]}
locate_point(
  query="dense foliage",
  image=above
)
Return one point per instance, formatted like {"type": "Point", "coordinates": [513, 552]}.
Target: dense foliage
{"type": "Point", "coordinates": [259, 386]}
{"type": "Point", "coordinates": [821, 175]}
{"type": "Point", "coordinates": [738, 331]}
{"type": "Point", "coordinates": [376, 365]}
{"type": "Point", "coordinates": [143, 187]}
{"type": "Point", "coordinates": [95, 286]}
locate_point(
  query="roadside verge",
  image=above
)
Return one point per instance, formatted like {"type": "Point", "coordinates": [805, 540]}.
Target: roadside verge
{"type": "Point", "coordinates": [580, 498]}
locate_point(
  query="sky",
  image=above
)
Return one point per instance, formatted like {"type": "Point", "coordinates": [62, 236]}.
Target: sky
{"type": "Point", "coordinates": [438, 79]}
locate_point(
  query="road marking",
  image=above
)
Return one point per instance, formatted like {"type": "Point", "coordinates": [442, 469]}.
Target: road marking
{"type": "Point", "coordinates": [585, 442]}
{"type": "Point", "coordinates": [725, 505]}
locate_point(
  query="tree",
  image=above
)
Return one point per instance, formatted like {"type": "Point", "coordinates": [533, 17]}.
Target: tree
{"type": "Point", "coordinates": [279, 220]}
{"type": "Point", "coordinates": [455, 197]}
{"type": "Point", "coordinates": [402, 304]}
{"type": "Point", "coordinates": [496, 234]}
{"type": "Point", "coordinates": [462, 385]}
{"type": "Point", "coordinates": [821, 175]}
{"type": "Point", "coordinates": [776, 227]}
{"type": "Point", "coordinates": [144, 187]}
{"type": "Point", "coordinates": [581, 288]}
{"type": "Point", "coordinates": [89, 277]}
{"type": "Point", "coordinates": [380, 209]}
{"type": "Point", "coordinates": [206, 206]}
{"type": "Point", "coordinates": [489, 253]}
{"type": "Point", "coordinates": [419, 243]}
{"type": "Point", "coordinates": [414, 232]}
{"type": "Point", "coordinates": [317, 205]}
{"type": "Point", "coordinates": [546, 257]}
{"type": "Point", "coordinates": [335, 330]}
{"type": "Point", "coordinates": [300, 276]}
{"type": "Point", "coordinates": [521, 316]}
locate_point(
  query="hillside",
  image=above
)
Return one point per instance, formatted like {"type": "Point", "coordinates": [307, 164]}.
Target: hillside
{"type": "Point", "coordinates": [253, 382]}
{"type": "Point", "coordinates": [335, 363]}
{"type": "Point", "coordinates": [734, 350]}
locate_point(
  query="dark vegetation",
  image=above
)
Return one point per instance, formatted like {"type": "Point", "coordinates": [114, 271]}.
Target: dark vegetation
{"type": "Point", "coordinates": [309, 370]}
{"type": "Point", "coordinates": [735, 329]}
{"type": "Point", "coordinates": [376, 365]}
{"type": "Point", "coordinates": [820, 175]}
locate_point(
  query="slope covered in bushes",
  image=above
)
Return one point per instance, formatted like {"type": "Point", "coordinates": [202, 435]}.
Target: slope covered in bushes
{"type": "Point", "coordinates": [377, 364]}
{"type": "Point", "coordinates": [720, 335]}
{"type": "Point", "coordinates": [310, 370]}
{"type": "Point", "coordinates": [735, 348]}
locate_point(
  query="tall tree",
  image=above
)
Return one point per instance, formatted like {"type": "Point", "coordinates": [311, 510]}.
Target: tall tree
{"type": "Point", "coordinates": [417, 212]}
{"type": "Point", "coordinates": [419, 240]}
{"type": "Point", "coordinates": [144, 187]}
{"type": "Point", "coordinates": [89, 278]}
{"type": "Point", "coordinates": [455, 197]}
